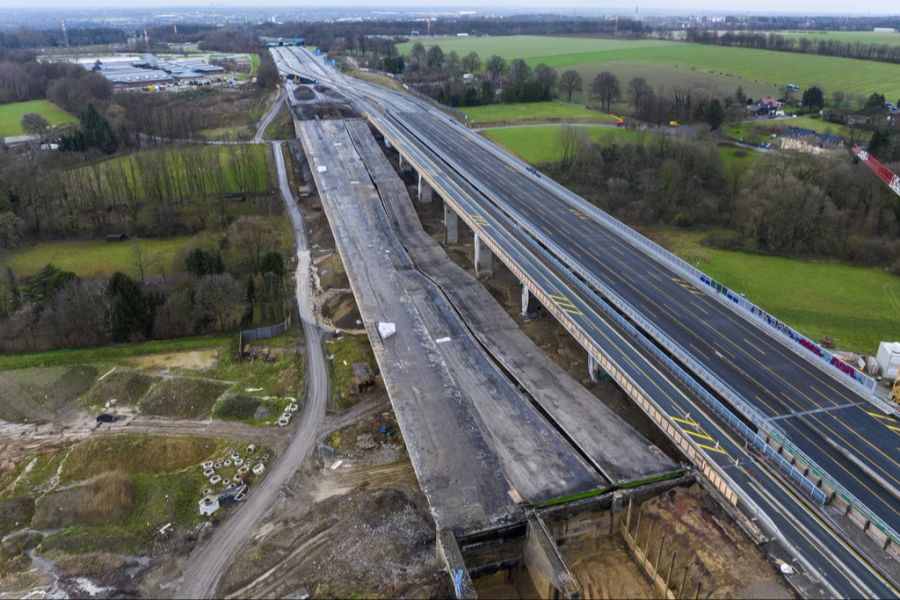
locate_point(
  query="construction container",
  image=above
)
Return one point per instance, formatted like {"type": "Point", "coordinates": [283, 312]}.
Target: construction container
{"type": "Point", "coordinates": [888, 358]}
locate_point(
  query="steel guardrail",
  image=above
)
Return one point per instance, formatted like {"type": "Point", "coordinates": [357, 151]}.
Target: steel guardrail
{"type": "Point", "coordinates": [750, 412]}
{"type": "Point", "coordinates": [738, 425]}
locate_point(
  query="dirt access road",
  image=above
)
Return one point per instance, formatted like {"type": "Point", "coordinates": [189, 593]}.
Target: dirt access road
{"type": "Point", "coordinates": [207, 564]}
{"type": "Point", "coordinates": [264, 123]}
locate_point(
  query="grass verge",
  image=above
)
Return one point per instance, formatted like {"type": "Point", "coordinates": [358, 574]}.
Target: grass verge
{"type": "Point", "coordinates": [97, 258]}
{"type": "Point", "coordinates": [857, 306]}
{"type": "Point", "coordinates": [11, 115]}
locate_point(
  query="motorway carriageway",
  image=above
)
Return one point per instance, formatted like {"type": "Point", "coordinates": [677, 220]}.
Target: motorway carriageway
{"type": "Point", "coordinates": [801, 525]}
{"type": "Point", "coordinates": [807, 404]}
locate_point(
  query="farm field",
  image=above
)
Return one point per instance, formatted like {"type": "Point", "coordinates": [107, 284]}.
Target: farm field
{"type": "Point", "coordinates": [11, 115]}
{"type": "Point", "coordinates": [540, 143]}
{"type": "Point", "coordinates": [864, 37]}
{"type": "Point", "coordinates": [857, 306]}
{"type": "Point", "coordinates": [525, 111]}
{"type": "Point", "coordinates": [730, 67]}
{"type": "Point", "coordinates": [95, 258]}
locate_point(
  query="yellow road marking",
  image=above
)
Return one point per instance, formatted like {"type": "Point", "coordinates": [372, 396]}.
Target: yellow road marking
{"type": "Point", "coordinates": [712, 448]}
{"type": "Point", "coordinates": [686, 421]}
{"type": "Point", "coordinates": [699, 434]}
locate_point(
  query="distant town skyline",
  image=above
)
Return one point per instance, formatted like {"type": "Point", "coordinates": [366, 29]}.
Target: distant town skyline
{"type": "Point", "coordinates": [811, 7]}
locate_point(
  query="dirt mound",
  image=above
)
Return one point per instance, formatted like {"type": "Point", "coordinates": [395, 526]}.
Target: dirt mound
{"type": "Point", "coordinates": [15, 513]}
{"type": "Point", "coordinates": [135, 453]}
{"type": "Point", "coordinates": [122, 385]}
{"type": "Point", "coordinates": [183, 398]}
{"type": "Point", "coordinates": [41, 395]}
{"type": "Point", "coordinates": [365, 543]}
{"type": "Point", "coordinates": [102, 500]}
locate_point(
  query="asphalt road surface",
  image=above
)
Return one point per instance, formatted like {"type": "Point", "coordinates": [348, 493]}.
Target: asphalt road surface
{"type": "Point", "coordinates": [485, 181]}
{"type": "Point", "coordinates": [207, 564]}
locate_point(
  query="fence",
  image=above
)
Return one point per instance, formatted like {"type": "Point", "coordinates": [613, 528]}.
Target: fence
{"type": "Point", "coordinates": [262, 333]}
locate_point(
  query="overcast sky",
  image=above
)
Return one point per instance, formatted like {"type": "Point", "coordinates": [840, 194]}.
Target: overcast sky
{"type": "Point", "coordinates": [679, 6]}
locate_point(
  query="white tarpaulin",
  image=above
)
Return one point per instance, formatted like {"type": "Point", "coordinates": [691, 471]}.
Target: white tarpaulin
{"type": "Point", "coordinates": [386, 330]}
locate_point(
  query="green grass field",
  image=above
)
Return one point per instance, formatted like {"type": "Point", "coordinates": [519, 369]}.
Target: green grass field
{"type": "Point", "coordinates": [864, 37]}
{"type": "Point", "coordinates": [11, 115]}
{"type": "Point", "coordinates": [729, 66]}
{"type": "Point", "coordinates": [525, 111]}
{"type": "Point", "coordinates": [95, 258]}
{"type": "Point", "coordinates": [540, 143]}
{"type": "Point", "coordinates": [114, 354]}
{"type": "Point", "coordinates": [857, 306]}
{"type": "Point", "coordinates": [257, 176]}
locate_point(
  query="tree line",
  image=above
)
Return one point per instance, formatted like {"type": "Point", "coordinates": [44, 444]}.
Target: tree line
{"type": "Point", "coordinates": [215, 284]}
{"type": "Point", "coordinates": [153, 192]}
{"type": "Point", "coordinates": [27, 37]}
{"type": "Point", "coordinates": [805, 206]}
{"type": "Point", "coordinates": [774, 41]}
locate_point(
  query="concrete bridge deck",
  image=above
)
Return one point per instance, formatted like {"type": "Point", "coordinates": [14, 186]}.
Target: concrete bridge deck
{"type": "Point", "coordinates": [472, 436]}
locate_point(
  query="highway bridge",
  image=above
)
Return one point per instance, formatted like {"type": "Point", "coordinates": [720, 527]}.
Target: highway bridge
{"type": "Point", "coordinates": [776, 433]}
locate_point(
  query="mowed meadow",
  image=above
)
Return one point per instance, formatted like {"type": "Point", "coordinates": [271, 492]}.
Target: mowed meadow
{"type": "Point", "coordinates": [668, 63]}
{"type": "Point", "coordinates": [11, 115]}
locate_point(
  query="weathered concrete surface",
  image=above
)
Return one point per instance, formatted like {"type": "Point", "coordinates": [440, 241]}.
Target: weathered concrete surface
{"type": "Point", "coordinates": [471, 435]}
{"type": "Point", "coordinates": [548, 570]}
{"type": "Point", "coordinates": [609, 443]}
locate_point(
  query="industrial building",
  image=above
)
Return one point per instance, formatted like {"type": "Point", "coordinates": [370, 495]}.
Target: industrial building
{"type": "Point", "coordinates": [150, 70]}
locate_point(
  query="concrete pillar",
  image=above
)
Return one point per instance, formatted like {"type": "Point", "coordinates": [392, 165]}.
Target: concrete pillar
{"type": "Point", "coordinates": [595, 371]}
{"type": "Point", "coordinates": [424, 190]}
{"type": "Point", "coordinates": [526, 298]}
{"type": "Point", "coordinates": [451, 225]}
{"type": "Point", "coordinates": [387, 143]}
{"type": "Point", "coordinates": [484, 258]}
{"type": "Point", "coordinates": [402, 163]}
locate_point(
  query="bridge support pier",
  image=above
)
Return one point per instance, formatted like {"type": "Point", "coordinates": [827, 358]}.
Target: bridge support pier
{"type": "Point", "coordinates": [451, 225]}
{"type": "Point", "coordinates": [425, 192]}
{"type": "Point", "coordinates": [526, 298]}
{"type": "Point", "coordinates": [484, 258]}
{"type": "Point", "coordinates": [404, 165]}
{"type": "Point", "coordinates": [595, 371]}
{"type": "Point", "coordinates": [387, 143]}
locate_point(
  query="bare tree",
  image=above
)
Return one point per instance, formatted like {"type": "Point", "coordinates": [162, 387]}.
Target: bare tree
{"type": "Point", "coordinates": [218, 301]}
{"type": "Point", "coordinates": [605, 88]}
{"type": "Point", "coordinates": [569, 83]}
